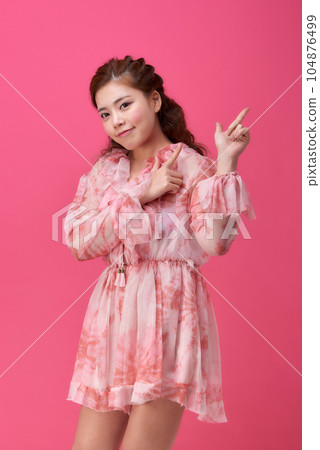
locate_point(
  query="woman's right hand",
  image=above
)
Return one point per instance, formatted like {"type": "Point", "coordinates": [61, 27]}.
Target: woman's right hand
{"type": "Point", "coordinates": [164, 179]}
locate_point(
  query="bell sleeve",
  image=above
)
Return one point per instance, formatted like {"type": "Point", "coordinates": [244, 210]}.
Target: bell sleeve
{"type": "Point", "coordinates": [97, 222]}
{"type": "Point", "coordinates": [213, 200]}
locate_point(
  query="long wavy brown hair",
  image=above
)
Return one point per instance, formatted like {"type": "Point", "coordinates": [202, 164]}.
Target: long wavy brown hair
{"type": "Point", "coordinates": [142, 76]}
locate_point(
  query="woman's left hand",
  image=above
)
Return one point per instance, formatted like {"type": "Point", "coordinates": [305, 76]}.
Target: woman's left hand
{"type": "Point", "coordinates": [234, 140]}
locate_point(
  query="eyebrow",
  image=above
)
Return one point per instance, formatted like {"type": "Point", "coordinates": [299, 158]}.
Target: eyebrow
{"type": "Point", "coordinates": [115, 102]}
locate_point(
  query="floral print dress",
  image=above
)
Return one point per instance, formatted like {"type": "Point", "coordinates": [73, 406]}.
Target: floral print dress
{"type": "Point", "coordinates": [150, 329]}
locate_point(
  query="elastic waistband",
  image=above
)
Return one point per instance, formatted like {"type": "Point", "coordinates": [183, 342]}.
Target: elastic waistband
{"type": "Point", "coordinates": [121, 281]}
{"type": "Point", "coordinates": [187, 260]}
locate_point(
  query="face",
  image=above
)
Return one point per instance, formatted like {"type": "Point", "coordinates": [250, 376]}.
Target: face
{"type": "Point", "coordinates": [122, 107]}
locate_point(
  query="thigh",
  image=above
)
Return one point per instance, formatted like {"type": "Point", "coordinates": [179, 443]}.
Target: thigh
{"type": "Point", "coordinates": [153, 425]}
{"type": "Point", "coordinates": [100, 430]}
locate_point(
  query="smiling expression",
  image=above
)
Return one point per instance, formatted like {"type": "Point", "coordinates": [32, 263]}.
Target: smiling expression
{"type": "Point", "coordinates": [122, 107]}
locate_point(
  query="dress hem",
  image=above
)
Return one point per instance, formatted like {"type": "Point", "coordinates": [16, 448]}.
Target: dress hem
{"type": "Point", "coordinates": [123, 397]}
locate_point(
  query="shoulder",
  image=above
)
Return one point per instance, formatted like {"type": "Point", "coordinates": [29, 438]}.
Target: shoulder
{"type": "Point", "coordinates": [107, 164]}
{"type": "Point", "coordinates": [110, 159]}
{"type": "Point", "coordinates": [192, 163]}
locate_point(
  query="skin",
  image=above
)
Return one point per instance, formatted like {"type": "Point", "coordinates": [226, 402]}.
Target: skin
{"type": "Point", "coordinates": [152, 425]}
{"type": "Point", "coordinates": [231, 143]}
{"type": "Point", "coordinates": [147, 136]}
{"type": "Point", "coordinates": [100, 430]}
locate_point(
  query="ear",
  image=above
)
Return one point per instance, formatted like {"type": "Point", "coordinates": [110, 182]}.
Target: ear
{"type": "Point", "coordinates": [156, 101]}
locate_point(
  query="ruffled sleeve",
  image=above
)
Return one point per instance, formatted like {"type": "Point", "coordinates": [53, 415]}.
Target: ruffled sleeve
{"type": "Point", "coordinates": [213, 199]}
{"type": "Point", "coordinates": [132, 222]}
{"type": "Point", "coordinates": [102, 215]}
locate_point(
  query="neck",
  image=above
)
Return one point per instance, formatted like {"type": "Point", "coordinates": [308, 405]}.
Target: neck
{"type": "Point", "coordinates": [145, 152]}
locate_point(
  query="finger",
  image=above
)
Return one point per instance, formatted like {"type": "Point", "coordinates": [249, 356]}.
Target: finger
{"type": "Point", "coordinates": [173, 191]}
{"type": "Point", "coordinates": [242, 114]}
{"type": "Point", "coordinates": [175, 180]}
{"type": "Point", "coordinates": [156, 164]}
{"type": "Point", "coordinates": [170, 161]}
{"type": "Point", "coordinates": [174, 173]}
{"type": "Point", "coordinates": [174, 183]}
{"type": "Point", "coordinates": [173, 188]}
{"type": "Point", "coordinates": [236, 131]}
{"type": "Point", "coordinates": [243, 132]}
{"type": "Point", "coordinates": [236, 122]}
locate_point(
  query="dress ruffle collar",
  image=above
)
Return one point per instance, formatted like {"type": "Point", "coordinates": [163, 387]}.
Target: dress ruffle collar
{"type": "Point", "coordinates": [116, 168]}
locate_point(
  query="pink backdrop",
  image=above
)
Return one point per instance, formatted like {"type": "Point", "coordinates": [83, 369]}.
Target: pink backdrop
{"type": "Point", "coordinates": [215, 59]}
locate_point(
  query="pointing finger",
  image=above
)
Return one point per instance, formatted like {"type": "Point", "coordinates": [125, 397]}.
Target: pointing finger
{"type": "Point", "coordinates": [156, 164]}
{"type": "Point", "coordinates": [170, 161]}
{"type": "Point", "coordinates": [237, 121]}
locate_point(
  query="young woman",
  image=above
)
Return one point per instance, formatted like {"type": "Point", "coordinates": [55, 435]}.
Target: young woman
{"type": "Point", "coordinates": [149, 346]}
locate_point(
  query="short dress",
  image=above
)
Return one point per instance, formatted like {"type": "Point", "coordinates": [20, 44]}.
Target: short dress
{"type": "Point", "coordinates": [150, 330]}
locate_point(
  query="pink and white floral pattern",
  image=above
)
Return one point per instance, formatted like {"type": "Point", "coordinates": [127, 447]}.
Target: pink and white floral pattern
{"type": "Point", "coordinates": [150, 329]}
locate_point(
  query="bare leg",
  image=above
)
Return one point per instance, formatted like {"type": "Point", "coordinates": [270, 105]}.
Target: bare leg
{"type": "Point", "coordinates": [100, 430]}
{"type": "Point", "coordinates": [153, 425]}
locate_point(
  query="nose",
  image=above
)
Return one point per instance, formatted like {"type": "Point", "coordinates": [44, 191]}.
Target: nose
{"type": "Point", "coordinates": [117, 119]}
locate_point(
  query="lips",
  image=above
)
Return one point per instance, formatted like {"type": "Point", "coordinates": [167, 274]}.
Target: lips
{"type": "Point", "coordinates": [124, 132]}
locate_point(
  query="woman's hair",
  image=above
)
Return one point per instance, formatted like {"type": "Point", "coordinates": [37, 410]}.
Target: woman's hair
{"type": "Point", "coordinates": [139, 75]}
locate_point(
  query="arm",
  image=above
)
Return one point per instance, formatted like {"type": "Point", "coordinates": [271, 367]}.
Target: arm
{"type": "Point", "coordinates": [88, 229]}
{"type": "Point", "coordinates": [98, 220]}
{"type": "Point", "coordinates": [217, 191]}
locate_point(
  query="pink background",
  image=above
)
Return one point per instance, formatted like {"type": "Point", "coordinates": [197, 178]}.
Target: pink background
{"type": "Point", "coordinates": [215, 59]}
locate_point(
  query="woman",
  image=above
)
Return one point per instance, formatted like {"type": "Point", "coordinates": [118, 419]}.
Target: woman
{"type": "Point", "coordinates": [149, 346]}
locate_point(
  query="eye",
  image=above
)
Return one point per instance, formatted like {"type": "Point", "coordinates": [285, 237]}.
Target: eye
{"type": "Point", "coordinates": [125, 103]}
